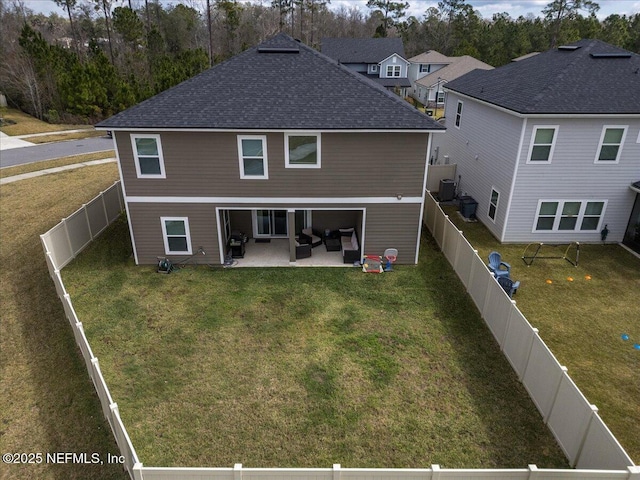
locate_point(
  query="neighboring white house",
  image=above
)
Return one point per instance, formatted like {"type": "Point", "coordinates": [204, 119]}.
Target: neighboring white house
{"type": "Point", "coordinates": [549, 146]}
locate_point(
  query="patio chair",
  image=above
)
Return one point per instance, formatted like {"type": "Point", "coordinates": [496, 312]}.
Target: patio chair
{"type": "Point", "coordinates": [508, 285]}
{"type": "Point", "coordinates": [303, 250]}
{"type": "Point", "coordinates": [496, 266]}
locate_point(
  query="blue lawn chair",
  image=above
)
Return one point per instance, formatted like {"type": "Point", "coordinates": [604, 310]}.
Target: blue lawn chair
{"type": "Point", "coordinates": [508, 285]}
{"type": "Point", "coordinates": [496, 266]}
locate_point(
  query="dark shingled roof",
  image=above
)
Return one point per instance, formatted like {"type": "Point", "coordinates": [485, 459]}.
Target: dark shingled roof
{"type": "Point", "coordinates": [362, 50]}
{"type": "Point", "coordinates": [596, 78]}
{"type": "Point", "coordinates": [280, 84]}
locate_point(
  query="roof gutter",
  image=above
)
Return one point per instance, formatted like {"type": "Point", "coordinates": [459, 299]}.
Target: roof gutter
{"type": "Point", "coordinates": [541, 115]}
{"type": "Point", "coordinates": [267, 130]}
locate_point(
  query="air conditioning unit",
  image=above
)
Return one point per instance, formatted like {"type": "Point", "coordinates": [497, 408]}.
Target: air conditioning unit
{"type": "Point", "coordinates": [447, 190]}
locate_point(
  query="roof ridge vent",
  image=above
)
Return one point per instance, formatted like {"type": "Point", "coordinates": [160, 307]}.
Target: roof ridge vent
{"type": "Point", "coordinates": [568, 48]}
{"type": "Point", "coordinates": [278, 50]}
{"type": "Point", "coordinates": [611, 55]}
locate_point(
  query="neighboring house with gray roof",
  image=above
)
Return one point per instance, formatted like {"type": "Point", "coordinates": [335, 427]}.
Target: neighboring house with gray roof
{"type": "Point", "coordinates": [430, 71]}
{"type": "Point", "coordinates": [381, 60]}
{"type": "Point", "coordinates": [270, 155]}
{"type": "Point", "coordinates": [549, 146]}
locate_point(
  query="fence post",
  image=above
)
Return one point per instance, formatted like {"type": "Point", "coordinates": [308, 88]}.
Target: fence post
{"type": "Point", "coordinates": [104, 209]}
{"type": "Point", "coordinates": [137, 471]}
{"type": "Point", "coordinates": [337, 474]}
{"type": "Point", "coordinates": [86, 217]}
{"type": "Point", "coordinates": [533, 472]}
{"type": "Point", "coordinates": [526, 365]}
{"type": "Point", "coordinates": [506, 328]}
{"type": "Point", "coordinates": [435, 472]}
{"type": "Point", "coordinates": [594, 410]}
{"type": "Point", "coordinates": [634, 473]}
{"type": "Point", "coordinates": [237, 471]}
{"type": "Point", "coordinates": [66, 231]}
{"type": "Point", "coordinates": [555, 395]}
{"type": "Point", "coordinates": [472, 270]}
{"type": "Point", "coordinates": [457, 254]}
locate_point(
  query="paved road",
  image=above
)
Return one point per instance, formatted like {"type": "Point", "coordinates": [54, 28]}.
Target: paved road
{"type": "Point", "coordinates": [49, 151]}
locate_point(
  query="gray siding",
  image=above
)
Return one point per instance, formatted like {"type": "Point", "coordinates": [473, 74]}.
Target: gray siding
{"type": "Point", "coordinates": [573, 175]}
{"type": "Point", "coordinates": [491, 135]}
{"type": "Point", "coordinates": [353, 164]}
{"type": "Point", "coordinates": [390, 61]}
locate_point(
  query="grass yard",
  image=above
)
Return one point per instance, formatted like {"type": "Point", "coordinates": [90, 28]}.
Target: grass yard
{"type": "Point", "coordinates": [61, 137]}
{"type": "Point", "coordinates": [48, 401]}
{"type": "Point", "coordinates": [303, 367]}
{"type": "Point", "coordinates": [20, 123]}
{"type": "Point", "coordinates": [582, 320]}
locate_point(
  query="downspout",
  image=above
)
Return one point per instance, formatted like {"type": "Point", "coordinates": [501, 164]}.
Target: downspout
{"type": "Point", "coordinates": [513, 180]}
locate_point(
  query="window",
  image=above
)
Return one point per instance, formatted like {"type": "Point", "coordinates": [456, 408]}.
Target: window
{"type": "Point", "coordinates": [459, 114]}
{"type": "Point", "coordinates": [302, 150]}
{"type": "Point", "coordinates": [610, 145]}
{"type": "Point", "coordinates": [493, 204]}
{"type": "Point", "coordinates": [425, 68]}
{"type": "Point", "coordinates": [393, 70]}
{"type": "Point", "coordinates": [569, 215]}
{"type": "Point", "coordinates": [175, 232]}
{"type": "Point", "coordinates": [147, 153]}
{"type": "Point", "coordinates": [373, 68]}
{"type": "Point", "coordinates": [543, 143]}
{"type": "Point", "coordinates": [439, 97]}
{"type": "Point", "coordinates": [252, 152]}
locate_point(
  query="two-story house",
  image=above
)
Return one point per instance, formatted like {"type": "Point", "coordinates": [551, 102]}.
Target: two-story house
{"type": "Point", "coordinates": [268, 155]}
{"type": "Point", "coordinates": [381, 60]}
{"type": "Point", "coordinates": [430, 71]}
{"type": "Point", "coordinates": [549, 146]}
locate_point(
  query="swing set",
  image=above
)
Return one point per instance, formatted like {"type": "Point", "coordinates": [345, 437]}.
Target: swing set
{"type": "Point", "coordinates": [571, 253]}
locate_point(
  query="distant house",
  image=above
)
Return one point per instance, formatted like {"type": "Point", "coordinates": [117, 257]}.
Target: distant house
{"type": "Point", "coordinates": [381, 60]}
{"type": "Point", "coordinates": [224, 157]}
{"type": "Point", "coordinates": [549, 146]}
{"type": "Point", "coordinates": [430, 71]}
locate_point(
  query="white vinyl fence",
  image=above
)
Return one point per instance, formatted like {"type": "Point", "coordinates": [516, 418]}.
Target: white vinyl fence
{"type": "Point", "coordinates": [61, 245]}
{"type": "Point", "coordinates": [575, 423]}
{"type": "Point", "coordinates": [585, 439]}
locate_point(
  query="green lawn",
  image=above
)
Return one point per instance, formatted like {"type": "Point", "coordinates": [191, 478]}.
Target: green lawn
{"type": "Point", "coordinates": [47, 401]}
{"type": "Point", "coordinates": [582, 314]}
{"type": "Point", "coordinates": [303, 367]}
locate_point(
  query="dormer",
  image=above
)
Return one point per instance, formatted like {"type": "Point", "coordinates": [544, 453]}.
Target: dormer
{"type": "Point", "coordinates": [394, 66]}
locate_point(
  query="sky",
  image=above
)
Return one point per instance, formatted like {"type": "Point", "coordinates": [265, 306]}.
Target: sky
{"type": "Point", "coordinates": [487, 8]}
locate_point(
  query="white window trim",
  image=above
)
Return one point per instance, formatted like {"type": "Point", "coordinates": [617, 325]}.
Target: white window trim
{"type": "Point", "coordinates": [165, 236]}
{"type": "Point", "coordinates": [458, 116]}
{"type": "Point", "coordinates": [493, 189]}
{"type": "Point", "coordinates": [394, 68]}
{"type": "Point", "coordinates": [265, 162]}
{"type": "Point", "coordinates": [302, 134]}
{"type": "Point", "coordinates": [581, 215]}
{"type": "Point", "coordinates": [373, 68]}
{"type": "Point", "coordinates": [600, 144]}
{"type": "Point", "coordinates": [136, 158]}
{"type": "Point", "coordinates": [425, 68]}
{"type": "Point", "coordinates": [438, 93]}
{"type": "Point", "coordinates": [555, 128]}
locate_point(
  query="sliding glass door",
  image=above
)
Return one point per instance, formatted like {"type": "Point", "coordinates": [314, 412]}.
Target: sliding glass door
{"type": "Point", "coordinates": [270, 223]}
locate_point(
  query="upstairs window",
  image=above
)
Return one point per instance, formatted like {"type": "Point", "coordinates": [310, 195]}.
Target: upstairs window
{"type": "Point", "coordinates": [459, 114]}
{"type": "Point", "coordinates": [440, 97]}
{"type": "Point", "coordinates": [425, 68]}
{"type": "Point", "coordinates": [302, 150]}
{"type": "Point", "coordinates": [610, 146]}
{"type": "Point", "coordinates": [252, 153]}
{"type": "Point", "coordinates": [147, 154]}
{"type": "Point", "coordinates": [393, 70]}
{"type": "Point", "coordinates": [176, 236]}
{"type": "Point", "coordinates": [542, 144]}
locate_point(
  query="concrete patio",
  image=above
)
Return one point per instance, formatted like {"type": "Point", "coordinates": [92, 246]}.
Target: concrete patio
{"type": "Point", "coordinates": [276, 254]}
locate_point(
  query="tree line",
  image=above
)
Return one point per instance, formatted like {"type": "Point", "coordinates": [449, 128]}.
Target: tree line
{"type": "Point", "coordinates": [104, 56]}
